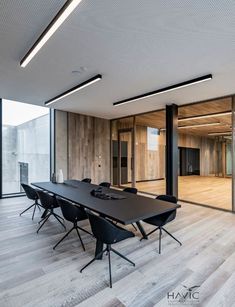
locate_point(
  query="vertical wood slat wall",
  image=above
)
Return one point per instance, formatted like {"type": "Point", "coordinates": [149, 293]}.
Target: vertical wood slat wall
{"type": "Point", "coordinates": [88, 148]}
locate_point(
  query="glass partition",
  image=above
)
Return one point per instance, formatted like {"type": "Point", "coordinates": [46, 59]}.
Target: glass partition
{"type": "Point", "coordinates": [205, 150]}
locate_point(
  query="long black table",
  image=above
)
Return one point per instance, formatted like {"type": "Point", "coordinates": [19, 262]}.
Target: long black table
{"type": "Point", "coordinates": [132, 209]}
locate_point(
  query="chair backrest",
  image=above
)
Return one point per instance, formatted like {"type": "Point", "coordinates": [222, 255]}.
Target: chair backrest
{"type": "Point", "coordinates": [105, 184]}
{"type": "Point", "coordinates": [71, 212]}
{"type": "Point", "coordinates": [130, 190]}
{"type": "Point", "coordinates": [88, 180]}
{"type": "Point", "coordinates": [30, 192]}
{"type": "Point", "coordinates": [169, 198]}
{"type": "Point", "coordinates": [171, 215]}
{"type": "Point", "coordinates": [103, 230]}
{"type": "Point", "coordinates": [47, 201]}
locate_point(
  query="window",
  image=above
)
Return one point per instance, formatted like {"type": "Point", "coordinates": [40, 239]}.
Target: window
{"type": "Point", "coordinates": [152, 138]}
{"type": "Point", "coordinates": [25, 145]}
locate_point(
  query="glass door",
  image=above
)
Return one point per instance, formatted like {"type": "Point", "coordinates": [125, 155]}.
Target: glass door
{"type": "Point", "coordinates": [125, 157]}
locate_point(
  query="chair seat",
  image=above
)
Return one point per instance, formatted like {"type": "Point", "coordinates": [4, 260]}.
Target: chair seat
{"type": "Point", "coordinates": [122, 234]}
{"type": "Point", "coordinates": [161, 219]}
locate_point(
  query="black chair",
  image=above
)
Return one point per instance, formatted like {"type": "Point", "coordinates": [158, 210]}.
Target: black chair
{"type": "Point", "coordinates": [107, 233]}
{"type": "Point", "coordinates": [73, 214]}
{"type": "Point", "coordinates": [49, 203]}
{"type": "Point", "coordinates": [88, 180]}
{"type": "Point", "coordinates": [130, 190]}
{"type": "Point", "coordinates": [105, 184]}
{"type": "Point", "coordinates": [133, 191]}
{"type": "Point", "coordinates": [31, 194]}
{"type": "Point", "coordinates": [162, 219]}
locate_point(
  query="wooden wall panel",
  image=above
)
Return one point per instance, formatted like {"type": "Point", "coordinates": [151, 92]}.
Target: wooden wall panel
{"type": "Point", "coordinates": [207, 148]}
{"type": "Point", "coordinates": [88, 147]}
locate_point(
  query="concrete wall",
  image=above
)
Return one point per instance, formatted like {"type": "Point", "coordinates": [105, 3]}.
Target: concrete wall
{"type": "Point", "coordinates": [26, 143]}
{"type": "Point", "coordinates": [61, 142]}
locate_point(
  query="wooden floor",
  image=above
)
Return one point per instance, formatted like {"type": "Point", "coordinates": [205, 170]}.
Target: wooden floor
{"type": "Point", "coordinates": [33, 275]}
{"type": "Point", "coordinates": [212, 191]}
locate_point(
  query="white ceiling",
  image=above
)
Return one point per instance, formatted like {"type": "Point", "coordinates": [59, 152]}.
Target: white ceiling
{"type": "Point", "coordinates": [138, 46]}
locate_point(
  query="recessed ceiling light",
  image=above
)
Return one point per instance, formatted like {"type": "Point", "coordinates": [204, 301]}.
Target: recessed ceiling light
{"type": "Point", "coordinates": [220, 133]}
{"type": "Point", "coordinates": [199, 125]}
{"type": "Point", "coordinates": [57, 21]}
{"type": "Point", "coordinates": [205, 116]}
{"type": "Point", "coordinates": [74, 89]}
{"type": "Point", "coordinates": [165, 89]}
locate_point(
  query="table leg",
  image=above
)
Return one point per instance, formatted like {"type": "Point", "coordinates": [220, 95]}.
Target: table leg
{"type": "Point", "coordinates": [98, 249]}
{"type": "Point", "coordinates": [141, 229]}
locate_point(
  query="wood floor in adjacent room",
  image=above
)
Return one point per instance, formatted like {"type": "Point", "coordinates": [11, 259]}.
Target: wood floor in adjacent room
{"type": "Point", "coordinates": [212, 191]}
{"type": "Point", "coordinates": [33, 275]}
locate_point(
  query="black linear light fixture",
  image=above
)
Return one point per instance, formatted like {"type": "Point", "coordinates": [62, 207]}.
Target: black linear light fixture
{"type": "Point", "coordinates": [74, 89]}
{"type": "Point", "coordinates": [57, 21]}
{"type": "Point", "coordinates": [165, 89]}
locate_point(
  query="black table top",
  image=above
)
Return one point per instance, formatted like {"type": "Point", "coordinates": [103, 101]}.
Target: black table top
{"type": "Point", "coordinates": [126, 211]}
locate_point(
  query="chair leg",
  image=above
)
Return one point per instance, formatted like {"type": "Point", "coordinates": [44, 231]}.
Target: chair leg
{"type": "Point", "coordinates": [172, 236]}
{"type": "Point", "coordinates": [96, 257]}
{"type": "Point", "coordinates": [60, 217]}
{"type": "Point", "coordinates": [120, 255]}
{"type": "Point", "coordinates": [63, 237]}
{"type": "Point", "coordinates": [85, 230]}
{"type": "Point", "coordinates": [80, 239]}
{"type": "Point", "coordinates": [148, 234]}
{"type": "Point", "coordinates": [160, 238]}
{"type": "Point", "coordinates": [110, 271]}
{"type": "Point", "coordinates": [55, 216]}
{"type": "Point", "coordinates": [39, 207]}
{"type": "Point", "coordinates": [26, 209]}
{"type": "Point", "coordinates": [35, 205]}
{"type": "Point", "coordinates": [44, 221]}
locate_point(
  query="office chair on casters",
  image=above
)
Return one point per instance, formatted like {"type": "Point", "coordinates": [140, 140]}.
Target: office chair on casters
{"type": "Point", "coordinates": [88, 180]}
{"type": "Point", "coordinates": [133, 191]}
{"type": "Point", "coordinates": [73, 214]}
{"type": "Point", "coordinates": [105, 184]}
{"type": "Point", "coordinates": [163, 219]}
{"type": "Point", "coordinates": [107, 233]}
{"type": "Point", "coordinates": [31, 194]}
{"type": "Point", "coordinates": [49, 203]}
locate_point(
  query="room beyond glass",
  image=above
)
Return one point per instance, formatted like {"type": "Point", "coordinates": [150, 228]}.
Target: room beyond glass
{"type": "Point", "coordinates": [205, 150]}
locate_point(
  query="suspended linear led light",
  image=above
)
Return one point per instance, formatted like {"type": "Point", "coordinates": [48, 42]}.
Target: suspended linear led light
{"type": "Point", "coordinates": [74, 89]}
{"type": "Point", "coordinates": [220, 133]}
{"type": "Point", "coordinates": [199, 125]}
{"type": "Point", "coordinates": [165, 89]}
{"type": "Point", "coordinates": [205, 116]}
{"type": "Point", "coordinates": [57, 21]}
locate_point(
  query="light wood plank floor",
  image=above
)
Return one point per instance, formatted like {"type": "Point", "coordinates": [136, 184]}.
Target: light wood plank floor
{"type": "Point", "coordinates": [212, 191]}
{"type": "Point", "coordinates": [33, 275]}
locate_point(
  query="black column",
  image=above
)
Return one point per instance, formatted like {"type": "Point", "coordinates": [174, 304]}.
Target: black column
{"type": "Point", "coordinates": [172, 150]}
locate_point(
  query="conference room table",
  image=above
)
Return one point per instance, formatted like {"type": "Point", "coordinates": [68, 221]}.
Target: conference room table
{"type": "Point", "coordinates": [130, 208]}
